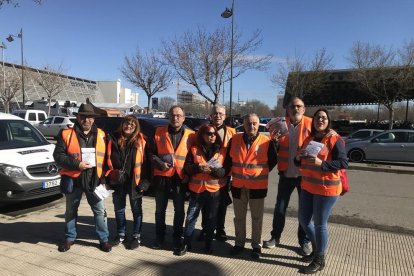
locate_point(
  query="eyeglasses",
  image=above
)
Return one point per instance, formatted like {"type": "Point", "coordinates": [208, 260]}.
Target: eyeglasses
{"type": "Point", "coordinates": [176, 116]}
{"type": "Point", "coordinates": [321, 118]}
{"type": "Point", "coordinates": [219, 114]}
{"type": "Point", "coordinates": [210, 134]}
{"type": "Point", "coordinates": [296, 106]}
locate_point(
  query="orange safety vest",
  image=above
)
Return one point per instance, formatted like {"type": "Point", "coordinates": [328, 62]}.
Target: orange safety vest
{"type": "Point", "coordinates": [227, 136]}
{"type": "Point", "coordinates": [250, 168]}
{"type": "Point", "coordinates": [316, 181]}
{"type": "Point", "coordinates": [305, 126]}
{"type": "Point", "coordinates": [165, 147]}
{"type": "Point", "coordinates": [73, 149]}
{"type": "Point", "coordinates": [202, 181]}
{"type": "Point", "coordinates": [139, 158]}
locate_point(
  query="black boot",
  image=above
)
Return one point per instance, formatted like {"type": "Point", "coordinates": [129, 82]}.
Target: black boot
{"type": "Point", "coordinates": [316, 265]}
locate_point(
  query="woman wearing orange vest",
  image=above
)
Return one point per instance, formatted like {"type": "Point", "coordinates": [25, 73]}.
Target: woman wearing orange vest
{"type": "Point", "coordinates": [128, 167]}
{"type": "Point", "coordinates": [321, 185]}
{"type": "Point", "coordinates": [204, 165]}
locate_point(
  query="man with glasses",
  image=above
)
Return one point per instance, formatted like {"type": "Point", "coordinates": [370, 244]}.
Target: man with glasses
{"type": "Point", "coordinates": [218, 116]}
{"type": "Point", "coordinates": [80, 152]}
{"type": "Point", "coordinates": [299, 127]}
{"type": "Point", "coordinates": [172, 144]}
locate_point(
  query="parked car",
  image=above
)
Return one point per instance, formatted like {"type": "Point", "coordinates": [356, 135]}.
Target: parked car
{"type": "Point", "coordinates": [51, 126]}
{"type": "Point", "coordinates": [27, 168]}
{"type": "Point", "coordinates": [33, 116]}
{"type": "Point", "coordinates": [195, 123]}
{"type": "Point", "coordinates": [391, 145]}
{"type": "Point", "coordinates": [361, 134]}
{"type": "Point", "coordinates": [262, 129]}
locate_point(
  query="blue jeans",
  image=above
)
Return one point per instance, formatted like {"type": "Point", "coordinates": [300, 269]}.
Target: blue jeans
{"type": "Point", "coordinates": [284, 191]}
{"type": "Point", "coordinates": [209, 203]}
{"type": "Point", "coordinates": [167, 187]}
{"type": "Point", "coordinates": [119, 200]}
{"type": "Point", "coordinates": [319, 208]}
{"type": "Point", "coordinates": [71, 215]}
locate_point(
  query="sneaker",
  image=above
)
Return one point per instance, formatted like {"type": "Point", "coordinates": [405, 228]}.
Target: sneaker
{"type": "Point", "coordinates": [305, 249]}
{"type": "Point", "coordinates": [272, 243]}
{"type": "Point", "coordinates": [236, 250]}
{"type": "Point", "coordinates": [308, 258]}
{"type": "Point", "coordinates": [256, 253]}
{"type": "Point", "coordinates": [117, 240]}
{"type": "Point", "coordinates": [221, 236]}
{"type": "Point", "coordinates": [135, 243]}
{"type": "Point", "coordinates": [157, 245]}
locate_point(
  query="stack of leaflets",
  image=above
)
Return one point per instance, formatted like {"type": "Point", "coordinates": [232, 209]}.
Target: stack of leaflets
{"type": "Point", "coordinates": [313, 148]}
{"type": "Point", "coordinates": [214, 163]}
{"type": "Point", "coordinates": [102, 192]}
{"type": "Point", "coordinates": [278, 124]}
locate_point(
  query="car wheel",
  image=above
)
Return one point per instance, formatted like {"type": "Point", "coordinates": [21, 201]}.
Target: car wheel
{"type": "Point", "coordinates": [356, 155]}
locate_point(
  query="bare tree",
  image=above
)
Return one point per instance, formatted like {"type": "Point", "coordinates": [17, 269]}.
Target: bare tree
{"type": "Point", "coordinates": [298, 76]}
{"type": "Point", "coordinates": [52, 81]}
{"type": "Point", "coordinates": [203, 59]}
{"type": "Point", "coordinates": [384, 73]}
{"type": "Point", "coordinates": [146, 72]}
{"type": "Point", "coordinates": [16, 3]}
{"type": "Point", "coordinates": [253, 106]}
{"type": "Point", "coordinates": [165, 103]}
{"type": "Point", "coordinates": [12, 89]}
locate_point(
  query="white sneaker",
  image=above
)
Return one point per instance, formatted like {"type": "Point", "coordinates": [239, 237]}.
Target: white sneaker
{"type": "Point", "coordinates": [305, 249]}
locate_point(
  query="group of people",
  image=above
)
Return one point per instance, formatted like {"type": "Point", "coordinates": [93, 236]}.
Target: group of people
{"type": "Point", "coordinates": [205, 166]}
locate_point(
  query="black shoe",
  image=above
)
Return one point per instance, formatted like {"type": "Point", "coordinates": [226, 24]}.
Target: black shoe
{"type": "Point", "coordinates": [135, 243]}
{"type": "Point", "coordinates": [208, 249]}
{"type": "Point", "coordinates": [183, 250]}
{"type": "Point", "coordinates": [256, 253]}
{"type": "Point", "coordinates": [316, 265]}
{"type": "Point", "coordinates": [236, 250]}
{"type": "Point", "coordinates": [308, 258]}
{"type": "Point", "coordinates": [105, 246]}
{"type": "Point", "coordinates": [65, 246]}
{"type": "Point", "coordinates": [157, 245]}
{"type": "Point", "coordinates": [221, 236]}
{"type": "Point", "coordinates": [117, 240]}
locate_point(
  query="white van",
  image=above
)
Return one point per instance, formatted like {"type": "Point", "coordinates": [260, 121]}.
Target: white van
{"type": "Point", "coordinates": [31, 115]}
{"type": "Point", "coordinates": [27, 168]}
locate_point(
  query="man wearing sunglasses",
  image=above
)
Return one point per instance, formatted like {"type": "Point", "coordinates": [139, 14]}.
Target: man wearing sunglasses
{"type": "Point", "coordinates": [299, 127]}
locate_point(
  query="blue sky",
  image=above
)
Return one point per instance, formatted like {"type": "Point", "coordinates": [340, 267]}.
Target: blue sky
{"type": "Point", "coordinates": [91, 37]}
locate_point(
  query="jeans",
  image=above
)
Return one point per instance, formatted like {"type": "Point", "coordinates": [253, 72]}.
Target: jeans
{"type": "Point", "coordinates": [284, 191]}
{"type": "Point", "coordinates": [209, 203]}
{"type": "Point", "coordinates": [171, 186]}
{"type": "Point", "coordinates": [119, 200]}
{"type": "Point", "coordinates": [319, 208]}
{"type": "Point", "coordinates": [71, 215]}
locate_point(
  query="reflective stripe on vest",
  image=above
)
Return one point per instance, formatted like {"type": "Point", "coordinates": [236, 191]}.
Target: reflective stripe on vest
{"type": "Point", "coordinates": [165, 147]}
{"type": "Point", "coordinates": [316, 181]}
{"type": "Point", "coordinates": [200, 182]}
{"type": "Point", "coordinates": [139, 158]}
{"type": "Point", "coordinates": [73, 149]}
{"type": "Point", "coordinates": [250, 168]}
{"type": "Point", "coordinates": [304, 130]}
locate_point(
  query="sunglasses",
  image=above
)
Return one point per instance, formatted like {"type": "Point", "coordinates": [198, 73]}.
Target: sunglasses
{"type": "Point", "coordinates": [210, 133]}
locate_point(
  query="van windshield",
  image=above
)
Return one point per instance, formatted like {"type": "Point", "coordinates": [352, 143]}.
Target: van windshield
{"type": "Point", "coordinates": [19, 134]}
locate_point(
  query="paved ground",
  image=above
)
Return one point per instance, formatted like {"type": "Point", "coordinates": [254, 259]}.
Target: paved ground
{"type": "Point", "coordinates": [28, 246]}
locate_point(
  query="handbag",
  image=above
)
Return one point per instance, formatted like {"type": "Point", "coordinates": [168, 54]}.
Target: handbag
{"type": "Point", "coordinates": [344, 180]}
{"type": "Point", "coordinates": [117, 177]}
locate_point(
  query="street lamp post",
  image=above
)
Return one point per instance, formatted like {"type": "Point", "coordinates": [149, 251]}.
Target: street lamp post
{"type": "Point", "coordinates": [11, 39]}
{"type": "Point", "coordinates": [3, 46]}
{"type": "Point", "coordinates": [226, 14]}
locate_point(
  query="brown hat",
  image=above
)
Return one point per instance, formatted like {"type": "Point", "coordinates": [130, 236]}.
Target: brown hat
{"type": "Point", "coordinates": [86, 110]}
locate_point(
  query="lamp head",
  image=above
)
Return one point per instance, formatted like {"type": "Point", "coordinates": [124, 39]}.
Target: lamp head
{"type": "Point", "coordinates": [10, 38]}
{"type": "Point", "coordinates": [227, 13]}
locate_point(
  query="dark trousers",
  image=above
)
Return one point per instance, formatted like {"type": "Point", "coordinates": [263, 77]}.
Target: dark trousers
{"type": "Point", "coordinates": [221, 211]}
{"type": "Point", "coordinates": [208, 202]}
{"type": "Point", "coordinates": [169, 186]}
{"type": "Point", "coordinates": [284, 191]}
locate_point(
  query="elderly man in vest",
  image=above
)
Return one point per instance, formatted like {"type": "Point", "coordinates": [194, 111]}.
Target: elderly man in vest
{"type": "Point", "coordinates": [250, 156]}
{"type": "Point", "coordinates": [172, 144]}
{"type": "Point", "coordinates": [80, 152]}
{"type": "Point", "coordinates": [218, 116]}
{"type": "Point", "coordinates": [299, 127]}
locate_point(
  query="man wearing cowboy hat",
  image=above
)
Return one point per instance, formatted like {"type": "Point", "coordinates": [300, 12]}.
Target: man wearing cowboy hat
{"type": "Point", "coordinates": [80, 152]}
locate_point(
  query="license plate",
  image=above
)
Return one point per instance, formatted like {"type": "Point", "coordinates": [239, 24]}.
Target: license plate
{"type": "Point", "coordinates": [51, 183]}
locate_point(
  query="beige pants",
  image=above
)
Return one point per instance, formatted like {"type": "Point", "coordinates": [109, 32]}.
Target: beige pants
{"type": "Point", "coordinates": [240, 212]}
